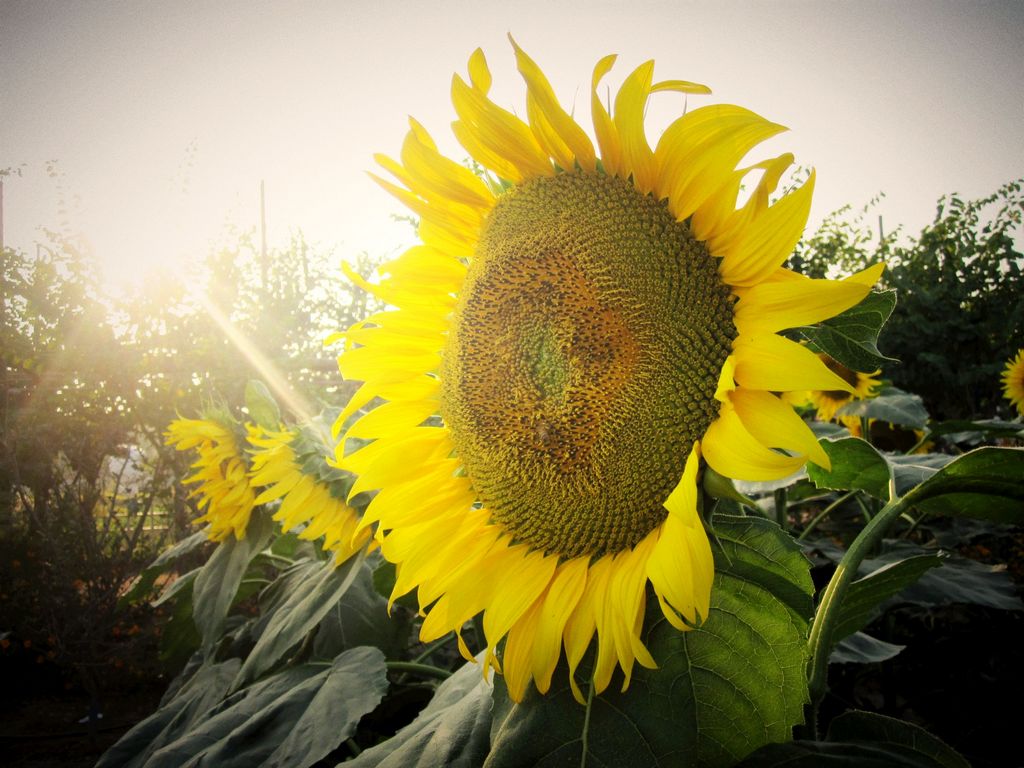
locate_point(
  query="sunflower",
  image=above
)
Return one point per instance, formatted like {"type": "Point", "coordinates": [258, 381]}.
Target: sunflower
{"type": "Point", "coordinates": [1013, 381]}
{"type": "Point", "coordinates": [221, 471]}
{"type": "Point", "coordinates": [578, 328]}
{"type": "Point", "coordinates": [861, 386]}
{"type": "Point", "coordinates": [282, 465]}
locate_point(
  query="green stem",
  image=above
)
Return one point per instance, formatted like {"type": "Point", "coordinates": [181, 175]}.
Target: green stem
{"type": "Point", "coordinates": [826, 512]}
{"type": "Point", "coordinates": [287, 562]}
{"type": "Point", "coordinates": [780, 508]}
{"type": "Point", "coordinates": [586, 724]}
{"type": "Point", "coordinates": [433, 647]}
{"type": "Point", "coordinates": [864, 509]}
{"type": "Point", "coordinates": [424, 670]}
{"type": "Point", "coordinates": [826, 617]}
{"type": "Point", "coordinates": [919, 443]}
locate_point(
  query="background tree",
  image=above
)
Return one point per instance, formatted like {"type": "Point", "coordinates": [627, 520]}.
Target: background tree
{"type": "Point", "coordinates": [960, 309]}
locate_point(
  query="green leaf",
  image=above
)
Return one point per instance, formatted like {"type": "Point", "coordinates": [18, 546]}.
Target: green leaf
{"type": "Point", "coordinates": [291, 719]}
{"type": "Point", "coordinates": [261, 405]}
{"type": "Point", "coordinates": [145, 582]}
{"type": "Point", "coordinates": [963, 431]}
{"type": "Point", "coordinates": [987, 483]}
{"type": "Point", "coordinates": [174, 718]}
{"type": "Point", "coordinates": [720, 691]}
{"type": "Point", "coordinates": [909, 471]}
{"type": "Point", "coordinates": [860, 648]}
{"type": "Point", "coordinates": [852, 337]}
{"type": "Point", "coordinates": [297, 616]}
{"type": "Point", "coordinates": [855, 464]}
{"type": "Point", "coordinates": [217, 582]}
{"type": "Point", "coordinates": [180, 638]}
{"type": "Point", "coordinates": [869, 592]}
{"type": "Point", "coordinates": [959, 580]}
{"type": "Point", "coordinates": [862, 740]}
{"type": "Point", "coordinates": [893, 406]}
{"type": "Point", "coordinates": [452, 730]}
{"type": "Point", "coordinates": [361, 617]}
{"type": "Point", "coordinates": [759, 552]}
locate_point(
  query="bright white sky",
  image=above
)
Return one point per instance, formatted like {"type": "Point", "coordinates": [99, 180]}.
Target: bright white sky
{"type": "Point", "coordinates": [163, 117]}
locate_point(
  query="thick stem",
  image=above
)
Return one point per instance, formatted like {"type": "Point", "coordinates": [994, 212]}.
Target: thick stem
{"type": "Point", "coordinates": [825, 618]}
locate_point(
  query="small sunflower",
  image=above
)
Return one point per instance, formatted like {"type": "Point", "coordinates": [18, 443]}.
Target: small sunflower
{"type": "Point", "coordinates": [287, 472]}
{"type": "Point", "coordinates": [221, 471]}
{"type": "Point", "coordinates": [575, 332]}
{"type": "Point", "coordinates": [860, 386]}
{"type": "Point", "coordinates": [1013, 381]}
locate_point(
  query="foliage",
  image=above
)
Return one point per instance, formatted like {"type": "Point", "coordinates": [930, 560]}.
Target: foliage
{"type": "Point", "coordinates": [730, 693]}
{"type": "Point", "coordinates": [289, 655]}
{"type": "Point", "coordinates": [960, 283]}
{"type": "Point", "coordinates": [89, 380]}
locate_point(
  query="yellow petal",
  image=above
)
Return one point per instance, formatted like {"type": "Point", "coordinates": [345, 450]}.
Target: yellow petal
{"type": "Point", "coordinates": [770, 307]}
{"type": "Point", "coordinates": [732, 451]}
{"type": "Point", "coordinates": [768, 240]}
{"type": "Point", "coordinates": [630, 105]}
{"type": "Point", "coordinates": [776, 425]}
{"type": "Point", "coordinates": [560, 601]}
{"type": "Point", "coordinates": [518, 651]}
{"type": "Point", "coordinates": [391, 419]}
{"type": "Point", "coordinates": [528, 576]}
{"type": "Point", "coordinates": [479, 73]}
{"type": "Point", "coordinates": [499, 130]}
{"type": "Point", "coordinates": [567, 140]}
{"type": "Point", "coordinates": [604, 128]}
{"type": "Point", "coordinates": [698, 153]}
{"type": "Point", "coordinates": [777, 364]}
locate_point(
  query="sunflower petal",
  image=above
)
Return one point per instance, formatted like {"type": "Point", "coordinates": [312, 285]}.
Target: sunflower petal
{"type": "Point", "coordinates": [565, 140]}
{"type": "Point", "coordinates": [777, 364]}
{"type": "Point", "coordinates": [732, 451]}
{"type": "Point", "coordinates": [776, 425]}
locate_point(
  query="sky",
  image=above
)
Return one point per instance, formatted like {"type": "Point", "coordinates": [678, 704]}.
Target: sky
{"type": "Point", "coordinates": [147, 127]}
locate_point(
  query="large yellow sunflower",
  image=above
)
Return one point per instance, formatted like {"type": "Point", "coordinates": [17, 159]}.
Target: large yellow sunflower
{"type": "Point", "coordinates": [1013, 381]}
{"type": "Point", "coordinates": [861, 386]}
{"type": "Point", "coordinates": [278, 467]}
{"type": "Point", "coordinates": [221, 471]}
{"type": "Point", "coordinates": [575, 332]}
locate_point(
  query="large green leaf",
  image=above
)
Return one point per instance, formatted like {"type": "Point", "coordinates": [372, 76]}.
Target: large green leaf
{"type": "Point", "coordinates": [861, 648]}
{"type": "Point", "coordinates": [855, 464]}
{"type": "Point", "coordinates": [909, 471]}
{"type": "Point", "coordinates": [869, 592]}
{"type": "Point", "coordinates": [217, 582]}
{"type": "Point", "coordinates": [720, 692]}
{"type": "Point", "coordinates": [986, 483]}
{"type": "Point", "coordinates": [293, 719]}
{"type": "Point", "coordinates": [361, 617]}
{"type": "Point", "coordinates": [852, 337]}
{"type": "Point", "coordinates": [862, 740]}
{"type": "Point", "coordinates": [200, 694]}
{"type": "Point", "coordinates": [893, 406]}
{"type": "Point", "coordinates": [298, 615]}
{"type": "Point", "coordinates": [959, 580]}
{"type": "Point", "coordinates": [453, 729]}
{"type": "Point", "coordinates": [963, 431]}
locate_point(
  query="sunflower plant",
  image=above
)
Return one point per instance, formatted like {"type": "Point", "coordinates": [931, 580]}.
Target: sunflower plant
{"type": "Point", "coordinates": [546, 508]}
